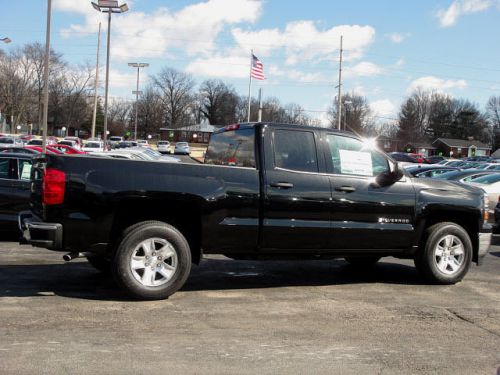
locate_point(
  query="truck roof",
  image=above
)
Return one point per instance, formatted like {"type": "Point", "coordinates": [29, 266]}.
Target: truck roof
{"type": "Point", "coordinates": [246, 125]}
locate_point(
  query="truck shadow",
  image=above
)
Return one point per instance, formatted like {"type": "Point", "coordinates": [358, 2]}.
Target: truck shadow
{"type": "Point", "coordinates": [80, 280]}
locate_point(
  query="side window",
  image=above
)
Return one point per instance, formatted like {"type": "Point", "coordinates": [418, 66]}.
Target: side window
{"type": "Point", "coordinates": [232, 148]}
{"type": "Point", "coordinates": [24, 169]}
{"type": "Point", "coordinates": [295, 150]}
{"type": "Point", "coordinates": [4, 168]}
{"type": "Point", "coordinates": [351, 156]}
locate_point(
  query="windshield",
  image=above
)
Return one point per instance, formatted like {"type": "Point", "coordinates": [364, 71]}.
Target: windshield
{"type": "Point", "coordinates": [7, 141]}
{"type": "Point", "coordinates": [182, 144]}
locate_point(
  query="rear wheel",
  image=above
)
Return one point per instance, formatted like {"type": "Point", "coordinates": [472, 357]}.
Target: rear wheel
{"type": "Point", "coordinates": [152, 261]}
{"type": "Point", "coordinates": [446, 254]}
{"type": "Point", "coordinates": [365, 261]}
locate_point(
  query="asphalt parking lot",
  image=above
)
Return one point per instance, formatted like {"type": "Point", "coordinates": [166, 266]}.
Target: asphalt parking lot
{"type": "Point", "coordinates": [247, 317]}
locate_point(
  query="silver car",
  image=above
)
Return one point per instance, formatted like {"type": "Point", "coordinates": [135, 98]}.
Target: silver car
{"type": "Point", "coordinates": [163, 147]}
{"type": "Point", "coordinates": [182, 148]}
{"type": "Point", "coordinates": [6, 142]}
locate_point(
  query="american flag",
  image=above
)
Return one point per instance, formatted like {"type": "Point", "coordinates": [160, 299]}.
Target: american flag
{"type": "Point", "coordinates": [257, 71]}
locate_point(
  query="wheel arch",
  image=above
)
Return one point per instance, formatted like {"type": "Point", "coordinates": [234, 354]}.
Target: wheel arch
{"type": "Point", "coordinates": [185, 216]}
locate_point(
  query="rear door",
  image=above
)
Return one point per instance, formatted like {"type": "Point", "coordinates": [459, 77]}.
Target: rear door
{"type": "Point", "coordinates": [365, 215]}
{"type": "Point", "coordinates": [296, 191]}
{"type": "Point", "coordinates": [11, 202]}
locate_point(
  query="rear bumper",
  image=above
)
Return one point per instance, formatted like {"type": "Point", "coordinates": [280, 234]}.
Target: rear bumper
{"type": "Point", "coordinates": [37, 233]}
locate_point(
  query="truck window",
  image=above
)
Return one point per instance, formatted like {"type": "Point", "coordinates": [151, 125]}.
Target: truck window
{"type": "Point", "coordinates": [352, 157]}
{"type": "Point", "coordinates": [233, 148]}
{"type": "Point", "coordinates": [295, 150]}
{"type": "Point", "coordinates": [4, 168]}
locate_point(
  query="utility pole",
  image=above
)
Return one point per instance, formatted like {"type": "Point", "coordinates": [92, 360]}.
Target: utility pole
{"type": "Point", "coordinates": [339, 98]}
{"type": "Point", "coordinates": [137, 92]}
{"type": "Point", "coordinates": [96, 83]}
{"type": "Point", "coordinates": [46, 78]}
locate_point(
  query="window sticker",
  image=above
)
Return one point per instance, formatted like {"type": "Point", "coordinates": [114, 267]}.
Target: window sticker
{"type": "Point", "coordinates": [356, 162]}
{"type": "Point", "coordinates": [26, 172]}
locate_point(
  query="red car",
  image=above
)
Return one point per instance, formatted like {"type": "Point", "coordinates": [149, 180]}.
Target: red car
{"type": "Point", "coordinates": [40, 149]}
{"type": "Point", "coordinates": [65, 149]}
{"type": "Point", "coordinates": [420, 158]}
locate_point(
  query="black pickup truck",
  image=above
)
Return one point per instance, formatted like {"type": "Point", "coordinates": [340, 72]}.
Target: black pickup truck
{"type": "Point", "coordinates": [265, 191]}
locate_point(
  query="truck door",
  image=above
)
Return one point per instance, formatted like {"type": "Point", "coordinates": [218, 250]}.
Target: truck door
{"type": "Point", "coordinates": [296, 191]}
{"type": "Point", "coordinates": [366, 215]}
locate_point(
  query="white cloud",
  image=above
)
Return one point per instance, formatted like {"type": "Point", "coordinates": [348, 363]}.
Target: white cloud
{"type": "Point", "coordinates": [221, 66]}
{"type": "Point", "coordinates": [438, 84]}
{"type": "Point", "coordinates": [363, 69]}
{"type": "Point", "coordinates": [383, 107]}
{"type": "Point", "coordinates": [192, 29]}
{"type": "Point", "coordinates": [400, 62]}
{"type": "Point", "coordinates": [302, 40]}
{"type": "Point", "coordinates": [397, 37]}
{"type": "Point", "coordinates": [449, 16]}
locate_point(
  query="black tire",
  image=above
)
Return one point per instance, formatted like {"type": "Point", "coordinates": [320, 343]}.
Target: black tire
{"type": "Point", "coordinates": [427, 259]}
{"type": "Point", "coordinates": [100, 263]}
{"type": "Point", "coordinates": [129, 279]}
{"type": "Point", "coordinates": [362, 261]}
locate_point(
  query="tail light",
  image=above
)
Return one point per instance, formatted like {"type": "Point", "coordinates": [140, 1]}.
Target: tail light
{"type": "Point", "coordinates": [486, 213]}
{"type": "Point", "coordinates": [54, 185]}
{"type": "Point", "coordinates": [231, 127]}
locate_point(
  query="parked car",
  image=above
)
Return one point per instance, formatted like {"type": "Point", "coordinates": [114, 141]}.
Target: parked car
{"type": "Point", "coordinates": [20, 150]}
{"type": "Point", "coordinates": [15, 183]}
{"type": "Point", "coordinates": [418, 157]}
{"type": "Point", "coordinates": [125, 144]}
{"type": "Point", "coordinates": [434, 159]}
{"type": "Point", "coordinates": [491, 185]}
{"type": "Point", "coordinates": [163, 147]}
{"type": "Point", "coordinates": [428, 170]}
{"type": "Point", "coordinates": [93, 146]}
{"type": "Point", "coordinates": [463, 175]}
{"type": "Point", "coordinates": [403, 157]}
{"type": "Point", "coordinates": [65, 149]}
{"type": "Point", "coordinates": [77, 140]}
{"type": "Point", "coordinates": [10, 142]}
{"type": "Point", "coordinates": [182, 148]}
{"type": "Point", "coordinates": [68, 142]}
{"type": "Point", "coordinates": [40, 149]}
{"type": "Point", "coordinates": [265, 191]}
{"type": "Point", "coordinates": [142, 143]}
{"type": "Point", "coordinates": [114, 140]}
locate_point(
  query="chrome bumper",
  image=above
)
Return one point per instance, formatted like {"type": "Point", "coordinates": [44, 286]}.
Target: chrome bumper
{"type": "Point", "coordinates": [39, 234]}
{"type": "Point", "coordinates": [484, 243]}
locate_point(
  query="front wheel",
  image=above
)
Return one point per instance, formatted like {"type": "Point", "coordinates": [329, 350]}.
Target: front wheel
{"type": "Point", "coordinates": [446, 255]}
{"type": "Point", "coordinates": [152, 261]}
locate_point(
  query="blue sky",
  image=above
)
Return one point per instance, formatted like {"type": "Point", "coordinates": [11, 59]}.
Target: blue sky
{"type": "Point", "coordinates": [391, 46]}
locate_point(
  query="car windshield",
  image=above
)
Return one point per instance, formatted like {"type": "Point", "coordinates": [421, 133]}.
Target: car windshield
{"type": "Point", "coordinates": [7, 141]}
{"type": "Point", "coordinates": [37, 142]}
{"type": "Point", "coordinates": [182, 144]}
{"type": "Point", "coordinates": [162, 143]}
{"type": "Point", "coordinates": [66, 143]}
{"type": "Point", "coordinates": [115, 139]}
{"type": "Point", "coordinates": [487, 180]}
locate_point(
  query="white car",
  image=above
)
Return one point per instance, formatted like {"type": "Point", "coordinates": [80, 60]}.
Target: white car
{"type": "Point", "coordinates": [163, 147]}
{"type": "Point", "coordinates": [142, 143]}
{"type": "Point", "coordinates": [93, 146]}
{"type": "Point", "coordinates": [114, 140]}
{"type": "Point", "coordinates": [491, 185]}
{"type": "Point", "coordinates": [6, 142]}
{"type": "Point", "coordinates": [182, 148]}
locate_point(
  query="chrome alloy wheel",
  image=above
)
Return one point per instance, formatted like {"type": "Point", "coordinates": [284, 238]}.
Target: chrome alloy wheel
{"type": "Point", "coordinates": [449, 254]}
{"type": "Point", "coordinates": [154, 262]}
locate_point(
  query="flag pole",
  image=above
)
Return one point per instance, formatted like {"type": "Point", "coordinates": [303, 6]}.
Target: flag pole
{"type": "Point", "coordinates": [250, 85]}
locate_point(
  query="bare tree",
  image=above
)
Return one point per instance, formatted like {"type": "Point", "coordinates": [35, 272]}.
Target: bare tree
{"type": "Point", "coordinates": [176, 90]}
{"type": "Point", "coordinates": [218, 102]}
{"type": "Point", "coordinates": [357, 115]}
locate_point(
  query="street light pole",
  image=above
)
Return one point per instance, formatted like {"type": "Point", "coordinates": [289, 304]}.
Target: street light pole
{"type": "Point", "coordinates": [96, 82]}
{"type": "Point", "coordinates": [46, 78]}
{"type": "Point", "coordinates": [137, 92]}
{"type": "Point", "coordinates": [108, 6]}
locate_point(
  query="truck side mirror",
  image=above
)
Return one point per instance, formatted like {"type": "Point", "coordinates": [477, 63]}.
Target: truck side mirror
{"type": "Point", "coordinates": [392, 175]}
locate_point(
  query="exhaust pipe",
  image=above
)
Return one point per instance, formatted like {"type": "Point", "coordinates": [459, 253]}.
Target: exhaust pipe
{"type": "Point", "coordinates": [70, 256]}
